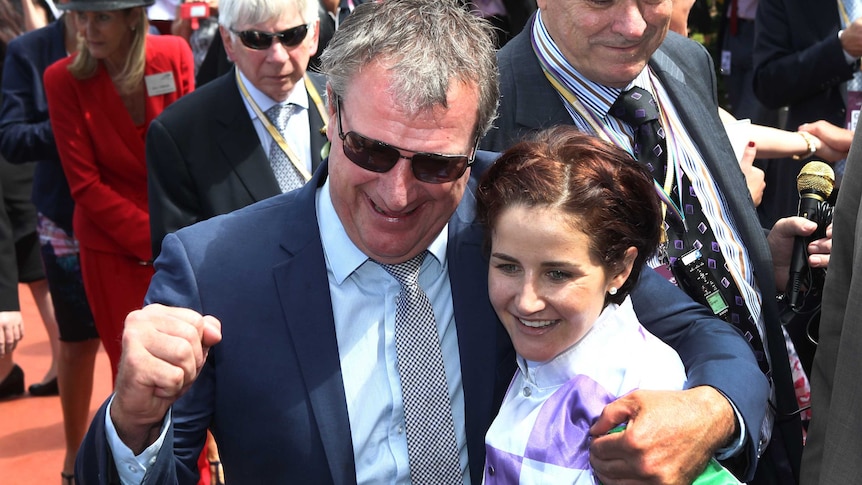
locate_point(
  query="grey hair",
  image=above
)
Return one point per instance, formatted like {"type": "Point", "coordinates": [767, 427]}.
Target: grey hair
{"type": "Point", "coordinates": [425, 44]}
{"type": "Point", "coordinates": [234, 12]}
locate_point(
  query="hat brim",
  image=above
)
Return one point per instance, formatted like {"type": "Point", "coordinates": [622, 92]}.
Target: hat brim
{"type": "Point", "coordinates": [103, 5]}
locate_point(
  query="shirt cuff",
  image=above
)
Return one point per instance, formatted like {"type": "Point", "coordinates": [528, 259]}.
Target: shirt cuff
{"type": "Point", "coordinates": [738, 444]}
{"type": "Point", "coordinates": [132, 468]}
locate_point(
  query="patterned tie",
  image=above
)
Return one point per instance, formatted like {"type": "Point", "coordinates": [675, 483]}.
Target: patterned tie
{"type": "Point", "coordinates": [286, 174]}
{"type": "Point", "coordinates": [638, 108]}
{"type": "Point", "coordinates": [431, 444]}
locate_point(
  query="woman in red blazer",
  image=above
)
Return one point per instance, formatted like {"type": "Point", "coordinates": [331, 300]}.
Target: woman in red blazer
{"type": "Point", "coordinates": [101, 102]}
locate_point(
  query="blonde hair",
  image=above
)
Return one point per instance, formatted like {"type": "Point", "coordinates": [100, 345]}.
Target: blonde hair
{"type": "Point", "coordinates": [84, 65]}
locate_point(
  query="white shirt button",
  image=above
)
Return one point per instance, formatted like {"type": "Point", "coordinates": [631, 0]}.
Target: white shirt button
{"type": "Point", "coordinates": [528, 392]}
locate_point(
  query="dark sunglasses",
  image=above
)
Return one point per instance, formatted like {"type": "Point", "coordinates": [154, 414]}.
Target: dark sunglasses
{"type": "Point", "coordinates": [376, 156]}
{"type": "Point", "coordinates": [257, 40]}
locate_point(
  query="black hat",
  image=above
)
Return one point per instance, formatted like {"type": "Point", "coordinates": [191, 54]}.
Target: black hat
{"type": "Point", "coordinates": [102, 5]}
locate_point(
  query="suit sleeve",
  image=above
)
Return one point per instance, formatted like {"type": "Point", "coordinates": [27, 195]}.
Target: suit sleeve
{"type": "Point", "coordinates": [785, 75]}
{"type": "Point", "coordinates": [8, 266]}
{"type": "Point", "coordinates": [176, 462]}
{"type": "Point", "coordinates": [25, 131]}
{"type": "Point", "coordinates": [714, 353]}
{"type": "Point", "coordinates": [171, 193]}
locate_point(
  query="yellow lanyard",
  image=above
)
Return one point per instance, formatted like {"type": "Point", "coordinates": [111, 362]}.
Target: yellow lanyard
{"type": "Point", "coordinates": [273, 131]}
{"type": "Point", "coordinates": [598, 129]}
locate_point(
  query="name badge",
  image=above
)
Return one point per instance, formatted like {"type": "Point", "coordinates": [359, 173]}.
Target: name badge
{"type": "Point", "coordinates": [161, 83]}
{"type": "Point", "coordinates": [854, 105]}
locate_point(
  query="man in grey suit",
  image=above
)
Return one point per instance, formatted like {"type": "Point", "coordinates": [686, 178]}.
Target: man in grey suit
{"type": "Point", "coordinates": [569, 66]}
{"type": "Point", "coordinates": [834, 439]}
{"type": "Point", "coordinates": [210, 153]}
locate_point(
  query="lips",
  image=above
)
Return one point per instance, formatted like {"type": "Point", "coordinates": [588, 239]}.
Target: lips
{"type": "Point", "coordinates": [537, 323]}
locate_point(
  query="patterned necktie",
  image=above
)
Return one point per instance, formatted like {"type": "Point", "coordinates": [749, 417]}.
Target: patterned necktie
{"type": "Point", "coordinates": [431, 444]}
{"type": "Point", "coordinates": [286, 174]}
{"type": "Point", "coordinates": [638, 108]}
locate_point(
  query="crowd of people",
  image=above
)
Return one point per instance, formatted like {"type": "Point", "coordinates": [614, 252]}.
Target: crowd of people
{"type": "Point", "coordinates": [432, 241]}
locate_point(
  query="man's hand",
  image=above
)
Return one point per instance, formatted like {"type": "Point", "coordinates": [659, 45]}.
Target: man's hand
{"type": "Point", "coordinates": [781, 238]}
{"type": "Point", "coordinates": [11, 331]}
{"type": "Point", "coordinates": [834, 140]}
{"type": "Point", "coordinates": [851, 38]}
{"type": "Point", "coordinates": [669, 438]}
{"type": "Point", "coordinates": [164, 350]}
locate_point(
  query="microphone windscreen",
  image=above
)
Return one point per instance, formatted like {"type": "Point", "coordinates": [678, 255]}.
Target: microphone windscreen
{"type": "Point", "coordinates": [816, 178]}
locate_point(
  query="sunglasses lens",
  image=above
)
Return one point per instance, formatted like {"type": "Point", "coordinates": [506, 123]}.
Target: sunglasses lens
{"type": "Point", "coordinates": [436, 169]}
{"type": "Point", "coordinates": [369, 154]}
{"type": "Point", "coordinates": [294, 36]}
{"type": "Point", "coordinates": [255, 40]}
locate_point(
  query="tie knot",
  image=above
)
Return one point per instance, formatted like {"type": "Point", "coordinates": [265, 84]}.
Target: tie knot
{"type": "Point", "coordinates": [278, 115]}
{"type": "Point", "coordinates": [407, 273]}
{"type": "Point", "coordinates": [635, 106]}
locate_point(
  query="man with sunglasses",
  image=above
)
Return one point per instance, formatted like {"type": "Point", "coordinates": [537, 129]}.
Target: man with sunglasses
{"type": "Point", "coordinates": [297, 367]}
{"type": "Point", "coordinates": [218, 150]}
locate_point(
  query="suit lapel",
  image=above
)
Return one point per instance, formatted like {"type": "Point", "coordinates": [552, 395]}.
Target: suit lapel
{"type": "Point", "coordinates": [486, 365]}
{"type": "Point", "coordinates": [303, 288]}
{"type": "Point", "coordinates": [240, 146]}
{"type": "Point", "coordinates": [316, 122]}
{"type": "Point", "coordinates": [708, 134]}
{"type": "Point", "coordinates": [537, 103]}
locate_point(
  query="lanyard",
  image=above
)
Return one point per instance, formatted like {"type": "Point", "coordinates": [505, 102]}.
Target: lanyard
{"type": "Point", "coordinates": [600, 131]}
{"type": "Point", "coordinates": [273, 131]}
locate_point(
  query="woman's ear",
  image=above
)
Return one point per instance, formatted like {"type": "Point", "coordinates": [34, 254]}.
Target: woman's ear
{"type": "Point", "coordinates": [626, 268]}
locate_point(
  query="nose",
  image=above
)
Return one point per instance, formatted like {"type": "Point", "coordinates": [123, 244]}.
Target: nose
{"type": "Point", "coordinates": [396, 185]}
{"type": "Point", "coordinates": [630, 22]}
{"type": "Point", "coordinates": [528, 299]}
{"type": "Point", "coordinates": [278, 52]}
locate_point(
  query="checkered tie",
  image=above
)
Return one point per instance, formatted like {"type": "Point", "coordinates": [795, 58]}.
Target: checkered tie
{"type": "Point", "coordinates": [638, 108]}
{"type": "Point", "coordinates": [431, 444]}
{"type": "Point", "coordinates": [286, 174]}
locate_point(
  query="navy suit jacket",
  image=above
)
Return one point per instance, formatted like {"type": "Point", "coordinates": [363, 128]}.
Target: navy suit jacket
{"type": "Point", "coordinates": [798, 63]}
{"type": "Point", "coordinates": [25, 130]}
{"type": "Point", "coordinates": [204, 157]}
{"type": "Point", "coordinates": [529, 103]}
{"type": "Point", "coordinates": [272, 389]}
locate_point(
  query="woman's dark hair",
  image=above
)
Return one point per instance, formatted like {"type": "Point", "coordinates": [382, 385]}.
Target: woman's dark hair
{"type": "Point", "coordinates": [609, 195]}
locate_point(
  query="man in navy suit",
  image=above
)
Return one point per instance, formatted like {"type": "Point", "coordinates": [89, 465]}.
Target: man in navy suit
{"type": "Point", "coordinates": [569, 67]}
{"type": "Point", "coordinates": [294, 365]}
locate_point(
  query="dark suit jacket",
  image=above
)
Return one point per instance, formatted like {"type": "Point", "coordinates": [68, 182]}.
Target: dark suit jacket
{"type": "Point", "coordinates": [272, 389]}
{"type": "Point", "coordinates": [25, 130]}
{"type": "Point", "coordinates": [529, 103]}
{"type": "Point", "coordinates": [799, 63]}
{"type": "Point", "coordinates": [834, 443]}
{"type": "Point", "coordinates": [204, 157]}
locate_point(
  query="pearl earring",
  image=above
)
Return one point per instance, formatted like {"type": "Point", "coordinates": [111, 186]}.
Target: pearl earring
{"type": "Point", "coordinates": [613, 290]}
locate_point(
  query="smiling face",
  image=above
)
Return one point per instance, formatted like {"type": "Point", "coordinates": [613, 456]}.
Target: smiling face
{"type": "Point", "coordinates": [108, 34]}
{"type": "Point", "coordinates": [543, 283]}
{"type": "Point", "coordinates": [392, 216]}
{"type": "Point", "coordinates": [608, 41]}
{"type": "Point", "coordinates": [276, 70]}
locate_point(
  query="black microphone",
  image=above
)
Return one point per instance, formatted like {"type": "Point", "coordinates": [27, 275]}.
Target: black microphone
{"type": "Point", "coordinates": [815, 183]}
